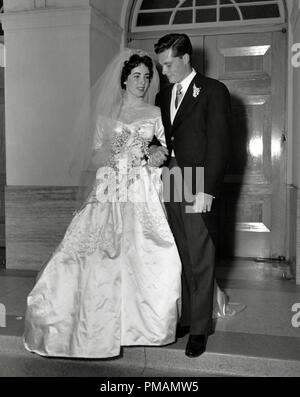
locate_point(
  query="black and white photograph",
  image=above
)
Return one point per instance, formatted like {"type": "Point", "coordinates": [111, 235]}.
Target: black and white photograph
{"type": "Point", "coordinates": [149, 192]}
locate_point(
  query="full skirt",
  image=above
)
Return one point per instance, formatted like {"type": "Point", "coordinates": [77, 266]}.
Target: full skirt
{"type": "Point", "coordinates": [114, 280]}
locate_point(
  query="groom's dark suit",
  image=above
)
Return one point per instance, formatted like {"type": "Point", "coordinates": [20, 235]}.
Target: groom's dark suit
{"type": "Point", "coordinates": [199, 137]}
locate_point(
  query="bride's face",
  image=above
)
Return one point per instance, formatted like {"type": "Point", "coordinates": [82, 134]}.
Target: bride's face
{"type": "Point", "coordinates": [138, 81]}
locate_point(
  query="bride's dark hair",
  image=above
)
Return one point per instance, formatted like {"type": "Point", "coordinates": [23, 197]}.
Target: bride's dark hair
{"type": "Point", "coordinates": [133, 62]}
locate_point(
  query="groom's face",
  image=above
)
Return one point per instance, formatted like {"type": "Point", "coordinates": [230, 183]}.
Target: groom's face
{"type": "Point", "coordinates": [175, 68]}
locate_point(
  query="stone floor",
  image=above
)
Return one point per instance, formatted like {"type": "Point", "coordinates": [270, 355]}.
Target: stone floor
{"type": "Point", "coordinates": [260, 341]}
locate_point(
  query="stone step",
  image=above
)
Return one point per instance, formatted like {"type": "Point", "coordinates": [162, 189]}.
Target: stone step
{"type": "Point", "coordinates": [261, 340]}
{"type": "Point", "coordinates": [239, 355]}
{"type": "Point", "coordinates": [251, 269]}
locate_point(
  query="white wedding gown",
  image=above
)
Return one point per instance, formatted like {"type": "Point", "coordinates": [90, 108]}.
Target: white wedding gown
{"type": "Point", "coordinates": [115, 279]}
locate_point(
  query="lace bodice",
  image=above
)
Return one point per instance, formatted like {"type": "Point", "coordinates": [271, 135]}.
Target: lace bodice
{"type": "Point", "coordinates": [121, 148]}
{"type": "Point", "coordinates": [146, 121]}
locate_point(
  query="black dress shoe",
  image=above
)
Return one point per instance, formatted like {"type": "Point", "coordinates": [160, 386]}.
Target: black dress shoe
{"type": "Point", "coordinates": [196, 345]}
{"type": "Point", "coordinates": [181, 331]}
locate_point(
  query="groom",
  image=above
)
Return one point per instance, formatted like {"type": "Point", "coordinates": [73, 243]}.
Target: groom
{"type": "Point", "coordinates": [196, 117]}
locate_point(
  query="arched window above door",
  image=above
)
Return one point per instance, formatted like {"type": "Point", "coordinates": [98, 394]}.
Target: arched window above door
{"type": "Point", "coordinates": [167, 14]}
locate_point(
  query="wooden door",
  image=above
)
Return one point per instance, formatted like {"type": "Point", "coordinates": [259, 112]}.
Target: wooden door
{"type": "Point", "coordinates": [253, 206]}
{"type": "Point", "coordinates": [252, 222]}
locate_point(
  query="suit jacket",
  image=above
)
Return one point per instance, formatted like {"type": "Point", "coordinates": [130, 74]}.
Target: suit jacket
{"type": "Point", "coordinates": [200, 131]}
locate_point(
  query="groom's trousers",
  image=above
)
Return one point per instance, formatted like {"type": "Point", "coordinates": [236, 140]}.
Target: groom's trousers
{"type": "Point", "coordinates": [197, 253]}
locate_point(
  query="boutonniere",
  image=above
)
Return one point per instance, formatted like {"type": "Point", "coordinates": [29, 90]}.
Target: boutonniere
{"type": "Point", "coordinates": [196, 91]}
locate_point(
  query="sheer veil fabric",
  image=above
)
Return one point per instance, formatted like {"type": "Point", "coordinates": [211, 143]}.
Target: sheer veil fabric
{"type": "Point", "coordinates": [100, 109]}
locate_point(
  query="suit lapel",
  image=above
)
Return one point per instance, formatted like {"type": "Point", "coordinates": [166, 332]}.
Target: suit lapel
{"type": "Point", "coordinates": [167, 104]}
{"type": "Point", "coordinates": [189, 100]}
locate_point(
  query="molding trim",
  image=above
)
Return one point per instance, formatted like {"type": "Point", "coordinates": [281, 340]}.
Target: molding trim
{"type": "Point", "coordinates": [25, 5]}
{"type": "Point", "coordinates": [58, 17]}
{"type": "Point", "coordinates": [125, 13]}
{"type": "Point", "coordinates": [106, 26]}
{"type": "Point", "coordinates": [156, 34]}
{"type": "Point", "coordinates": [45, 18]}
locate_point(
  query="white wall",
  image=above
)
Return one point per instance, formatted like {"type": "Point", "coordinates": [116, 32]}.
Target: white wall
{"type": "Point", "coordinates": [106, 39]}
{"type": "Point", "coordinates": [296, 105]}
{"type": "Point", "coordinates": [294, 138]}
{"type": "Point", "coordinates": [290, 171]}
{"type": "Point", "coordinates": [53, 56]}
{"type": "Point", "coordinates": [46, 74]}
{"type": "Point", "coordinates": [110, 8]}
{"type": "Point", "coordinates": [289, 5]}
{"type": "Point", "coordinates": [293, 97]}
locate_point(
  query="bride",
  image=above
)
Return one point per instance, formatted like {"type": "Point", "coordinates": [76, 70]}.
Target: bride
{"type": "Point", "coordinates": [115, 278]}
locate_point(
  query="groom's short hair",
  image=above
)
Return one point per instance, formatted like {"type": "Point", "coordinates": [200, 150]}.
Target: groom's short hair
{"type": "Point", "coordinates": [180, 44]}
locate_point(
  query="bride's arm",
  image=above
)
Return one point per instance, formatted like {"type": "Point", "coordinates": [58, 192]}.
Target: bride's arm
{"type": "Point", "coordinates": [158, 153]}
{"type": "Point", "coordinates": [160, 132]}
{"type": "Point", "coordinates": [101, 148]}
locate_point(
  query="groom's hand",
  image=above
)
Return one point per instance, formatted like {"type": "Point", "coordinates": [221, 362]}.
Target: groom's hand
{"type": "Point", "coordinates": [157, 155]}
{"type": "Point", "coordinates": [203, 203]}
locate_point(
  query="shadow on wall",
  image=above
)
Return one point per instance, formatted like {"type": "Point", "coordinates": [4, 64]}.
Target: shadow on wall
{"type": "Point", "coordinates": [229, 200]}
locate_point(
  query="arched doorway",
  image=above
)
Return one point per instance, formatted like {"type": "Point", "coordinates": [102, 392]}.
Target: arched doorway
{"type": "Point", "coordinates": [242, 44]}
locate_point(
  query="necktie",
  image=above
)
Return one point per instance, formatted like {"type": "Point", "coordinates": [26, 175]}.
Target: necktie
{"type": "Point", "coordinates": [178, 94]}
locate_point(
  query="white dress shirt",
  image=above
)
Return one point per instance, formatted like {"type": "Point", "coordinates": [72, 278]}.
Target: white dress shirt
{"type": "Point", "coordinates": [185, 83]}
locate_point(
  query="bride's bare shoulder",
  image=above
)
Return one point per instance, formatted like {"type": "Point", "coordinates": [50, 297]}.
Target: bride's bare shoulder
{"type": "Point", "coordinates": [154, 110]}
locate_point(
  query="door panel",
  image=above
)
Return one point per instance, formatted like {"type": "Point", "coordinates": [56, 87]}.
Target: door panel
{"type": "Point", "coordinates": [253, 204]}
{"type": "Point", "coordinates": [252, 222]}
